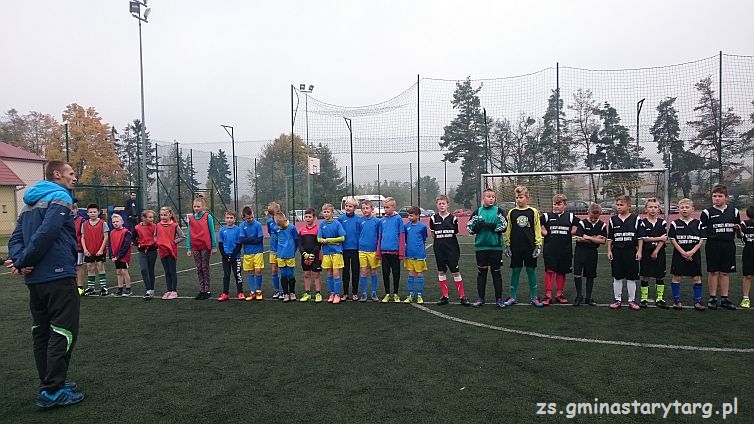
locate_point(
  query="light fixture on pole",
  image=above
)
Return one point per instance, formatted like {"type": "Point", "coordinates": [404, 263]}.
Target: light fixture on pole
{"type": "Point", "coordinates": [235, 164]}
{"type": "Point", "coordinates": [135, 9]}
{"type": "Point", "coordinates": [307, 91]}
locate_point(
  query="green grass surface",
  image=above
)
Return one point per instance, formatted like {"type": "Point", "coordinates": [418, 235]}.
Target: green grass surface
{"type": "Point", "coordinates": [204, 361]}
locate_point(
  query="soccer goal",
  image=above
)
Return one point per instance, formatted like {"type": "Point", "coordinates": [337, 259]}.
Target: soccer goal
{"type": "Point", "coordinates": [583, 188]}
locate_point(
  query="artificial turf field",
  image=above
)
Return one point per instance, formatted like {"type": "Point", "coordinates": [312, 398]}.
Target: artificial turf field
{"type": "Point", "coordinates": [268, 361]}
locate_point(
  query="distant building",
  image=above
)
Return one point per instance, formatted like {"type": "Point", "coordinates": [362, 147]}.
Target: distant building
{"type": "Point", "coordinates": [27, 167]}
{"type": "Point", "coordinates": [9, 183]}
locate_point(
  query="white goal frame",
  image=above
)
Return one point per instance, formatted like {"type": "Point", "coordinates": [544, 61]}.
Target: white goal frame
{"type": "Point", "coordinates": [663, 171]}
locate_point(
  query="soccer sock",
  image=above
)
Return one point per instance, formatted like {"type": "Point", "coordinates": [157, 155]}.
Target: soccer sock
{"type": "Point", "coordinates": [577, 283]}
{"type": "Point", "coordinates": [515, 279]}
{"type": "Point", "coordinates": [275, 283]}
{"type": "Point", "coordinates": [532, 277]}
{"type": "Point", "coordinates": [419, 285]}
{"type": "Point", "coordinates": [644, 289]}
{"type": "Point", "coordinates": [589, 287]}
{"type": "Point", "coordinates": [363, 282]}
{"type": "Point", "coordinates": [675, 288]}
{"type": "Point", "coordinates": [258, 283]}
{"type": "Point", "coordinates": [631, 285]}
{"type": "Point", "coordinates": [459, 286]}
{"type": "Point", "coordinates": [560, 284]}
{"type": "Point", "coordinates": [373, 286]}
{"type": "Point", "coordinates": [336, 285]}
{"type": "Point", "coordinates": [103, 280]}
{"type": "Point", "coordinates": [617, 289]}
{"type": "Point", "coordinates": [660, 289]}
{"type": "Point", "coordinates": [330, 284]}
{"type": "Point", "coordinates": [697, 292]}
{"type": "Point", "coordinates": [443, 285]}
{"type": "Point", "coordinates": [549, 276]}
{"type": "Point", "coordinates": [90, 280]}
{"type": "Point", "coordinates": [292, 284]}
{"type": "Point", "coordinates": [411, 280]}
{"type": "Point", "coordinates": [497, 283]}
{"type": "Point", "coordinates": [250, 279]}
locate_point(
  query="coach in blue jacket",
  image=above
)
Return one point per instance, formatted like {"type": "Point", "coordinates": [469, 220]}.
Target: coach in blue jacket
{"type": "Point", "coordinates": [42, 248]}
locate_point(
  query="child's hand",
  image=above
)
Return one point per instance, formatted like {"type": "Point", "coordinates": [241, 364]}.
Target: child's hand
{"type": "Point", "coordinates": [653, 255]}
{"type": "Point", "coordinates": [114, 259]}
{"type": "Point", "coordinates": [663, 238]}
{"type": "Point", "coordinates": [507, 252]}
{"type": "Point", "coordinates": [100, 252]}
{"type": "Point", "coordinates": [638, 255]}
{"type": "Point", "coordinates": [188, 253]}
{"type": "Point", "coordinates": [86, 253]}
{"type": "Point", "coordinates": [213, 251]}
{"type": "Point", "coordinates": [610, 255]}
{"type": "Point", "coordinates": [537, 251]}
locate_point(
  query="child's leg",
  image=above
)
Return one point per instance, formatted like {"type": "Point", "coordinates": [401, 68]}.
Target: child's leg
{"type": "Point", "coordinates": [419, 280]}
{"type": "Point", "coordinates": [373, 284]}
{"type": "Point", "coordinates": [746, 286]}
{"type": "Point", "coordinates": [363, 280]}
{"type": "Point", "coordinates": [549, 279]}
{"type": "Point", "coordinates": [697, 288]}
{"type": "Point", "coordinates": [151, 262]}
{"type": "Point", "coordinates": [126, 278]}
{"type": "Point", "coordinates": [644, 289]}
{"type": "Point", "coordinates": [660, 287]}
{"type": "Point", "coordinates": [396, 266]}
{"type": "Point", "coordinates": [724, 281]}
{"type": "Point", "coordinates": [275, 279]}
{"type": "Point", "coordinates": [675, 288]}
{"type": "Point", "coordinates": [119, 278]}
{"type": "Point", "coordinates": [346, 280]}
{"type": "Point", "coordinates": [336, 279]}
{"type": "Point", "coordinates": [497, 278]}
{"type": "Point", "coordinates": [458, 280]}
{"type": "Point", "coordinates": [227, 271]}
{"type": "Point", "coordinates": [283, 271]}
{"type": "Point", "coordinates": [386, 274]}
{"type": "Point", "coordinates": [307, 280]}
{"type": "Point", "coordinates": [515, 279]}
{"type": "Point", "coordinates": [559, 284]}
{"type": "Point", "coordinates": [91, 274]}
{"type": "Point", "coordinates": [258, 279]}
{"type": "Point", "coordinates": [481, 281]}
{"type": "Point", "coordinates": [205, 270]}
{"type": "Point", "coordinates": [411, 281]}
{"type": "Point", "coordinates": [236, 267]}
{"type": "Point", "coordinates": [617, 289]}
{"type": "Point", "coordinates": [712, 278]}
{"type": "Point", "coordinates": [443, 281]}
{"type": "Point", "coordinates": [101, 276]}
{"type": "Point", "coordinates": [531, 276]}
{"type": "Point", "coordinates": [330, 281]}
{"type": "Point", "coordinates": [317, 281]}
{"type": "Point", "coordinates": [577, 281]}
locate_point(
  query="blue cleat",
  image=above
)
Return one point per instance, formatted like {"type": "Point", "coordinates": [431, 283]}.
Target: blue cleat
{"type": "Point", "coordinates": [63, 397]}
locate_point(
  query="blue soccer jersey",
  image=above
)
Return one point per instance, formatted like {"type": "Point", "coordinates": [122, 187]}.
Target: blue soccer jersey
{"type": "Point", "coordinates": [287, 241]}
{"type": "Point", "coordinates": [392, 227]}
{"type": "Point", "coordinates": [272, 230]}
{"type": "Point", "coordinates": [369, 233]}
{"type": "Point", "coordinates": [229, 237]}
{"type": "Point", "coordinates": [416, 235]}
{"type": "Point", "coordinates": [252, 237]}
{"type": "Point", "coordinates": [350, 223]}
{"type": "Point", "coordinates": [331, 229]}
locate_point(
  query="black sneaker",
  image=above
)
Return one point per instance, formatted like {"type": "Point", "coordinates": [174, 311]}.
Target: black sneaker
{"type": "Point", "coordinates": [589, 301]}
{"type": "Point", "coordinates": [643, 303]}
{"type": "Point", "coordinates": [103, 291]}
{"type": "Point", "coordinates": [90, 291]}
{"type": "Point", "coordinates": [443, 301]}
{"type": "Point", "coordinates": [206, 295]}
{"type": "Point", "coordinates": [577, 301]}
{"type": "Point", "coordinates": [199, 296]}
{"type": "Point", "coordinates": [119, 292]}
{"type": "Point", "coordinates": [660, 303]}
{"type": "Point", "coordinates": [465, 301]}
{"type": "Point", "coordinates": [727, 304]}
{"type": "Point", "coordinates": [712, 303]}
{"type": "Point", "coordinates": [127, 292]}
{"type": "Point", "coordinates": [63, 397]}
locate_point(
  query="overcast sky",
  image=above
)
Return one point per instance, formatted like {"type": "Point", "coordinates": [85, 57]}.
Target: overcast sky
{"type": "Point", "coordinates": [208, 63]}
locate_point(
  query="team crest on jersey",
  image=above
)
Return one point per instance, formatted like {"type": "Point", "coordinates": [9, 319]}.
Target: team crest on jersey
{"type": "Point", "coordinates": [522, 221]}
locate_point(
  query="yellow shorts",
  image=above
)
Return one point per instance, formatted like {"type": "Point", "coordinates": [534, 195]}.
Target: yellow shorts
{"type": "Point", "coordinates": [273, 258]}
{"type": "Point", "coordinates": [368, 260]}
{"type": "Point", "coordinates": [253, 261]}
{"type": "Point", "coordinates": [332, 261]}
{"type": "Point", "coordinates": [291, 262]}
{"type": "Point", "coordinates": [416, 265]}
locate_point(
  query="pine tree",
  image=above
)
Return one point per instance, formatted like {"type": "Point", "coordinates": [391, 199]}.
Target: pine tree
{"type": "Point", "coordinates": [464, 140]}
{"type": "Point", "coordinates": [219, 175]}
{"type": "Point", "coordinates": [584, 127]}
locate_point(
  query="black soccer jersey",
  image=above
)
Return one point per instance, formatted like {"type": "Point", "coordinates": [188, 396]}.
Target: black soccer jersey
{"type": "Point", "coordinates": [647, 229]}
{"type": "Point", "coordinates": [523, 232]}
{"type": "Point", "coordinates": [623, 233]}
{"type": "Point", "coordinates": [558, 227]}
{"type": "Point", "coordinates": [686, 234]}
{"type": "Point", "coordinates": [444, 231]}
{"type": "Point", "coordinates": [720, 224]}
{"type": "Point", "coordinates": [747, 232]}
{"type": "Point", "coordinates": [586, 228]}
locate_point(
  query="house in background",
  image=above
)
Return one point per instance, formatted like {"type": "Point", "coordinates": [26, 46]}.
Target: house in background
{"type": "Point", "coordinates": [26, 166]}
{"type": "Point", "coordinates": [9, 183]}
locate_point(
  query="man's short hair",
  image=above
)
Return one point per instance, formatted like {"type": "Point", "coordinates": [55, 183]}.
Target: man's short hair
{"type": "Point", "coordinates": [52, 166]}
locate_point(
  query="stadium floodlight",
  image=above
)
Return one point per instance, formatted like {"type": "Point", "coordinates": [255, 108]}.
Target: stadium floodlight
{"type": "Point", "coordinates": [311, 88]}
{"type": "Point", "coordinates": [135, 9]}
{"type": "Point", "coordinates": [582, 187]}
{"type": "Point", "coordinates": [302, 87]}
{"type": "Point", "coordinates": [235, 164]}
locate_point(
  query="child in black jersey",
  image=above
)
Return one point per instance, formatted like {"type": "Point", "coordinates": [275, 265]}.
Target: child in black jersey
{"type": "Point", "coordinates": [624, 251]}
{"type": "Point", "coordinates": [687, 238]}
{"type": "Point", "coordinates": [653, 262]}
{"type": "Point", "coordinates": [747, 257]}
{"type": "Point", "coordinates": [558, 229]}
{"type": "Point", "coordinates": [444, 227]}
{"type": "Point", "coordinates": [720, 223]}
{"type": "Point", "coordinates": [590, 234]}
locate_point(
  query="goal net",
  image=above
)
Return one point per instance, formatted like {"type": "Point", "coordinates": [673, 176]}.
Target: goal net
{"type": "Point", "coordinates": [583, 188]}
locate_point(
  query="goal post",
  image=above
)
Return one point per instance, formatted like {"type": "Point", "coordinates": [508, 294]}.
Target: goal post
{"type": "Point", "coordinates": [583, 187]}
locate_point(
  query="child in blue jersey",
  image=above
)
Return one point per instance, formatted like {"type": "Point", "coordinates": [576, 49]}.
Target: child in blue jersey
{"type": "Point", "coordinates": [416, 255]}
{"type": "Point", "coordinates": [349, 221]}
{"type": "Point", "coordinates": [230, 248]}
{"type": "Point", "coordinates": [251, 239]}
{"type": "Point", "coordinates": [272, 230]}
{"type": "Point", "coordinates": [331, 235]}
{"type": "Point", "coordinates": [391, 227]}
{"type": "Point", "coordinates": [287, 236]}
{"type": "Point", "coordinates": [368, 229]}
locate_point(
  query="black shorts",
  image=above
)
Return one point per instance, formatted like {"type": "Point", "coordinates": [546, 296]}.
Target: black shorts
{"type": "Point", "coordinates": [447, 259]}
{"type": "Point", "coordinates": [558, 258]}
{"type": "Point", "coordinates": [721, 256]}
{"type": "Point", "coordinates": [624, 264]}
{"type": "Point", "coordinates": [585, 262]}
{"type": "Point", "coordinates": [682, 268]}
{"type": "Point", "coordinates": [316, 266]}
{"type": "Point", "coordinates": [121, 265]}
{"type": "Point", "coordinates": [94, 258]}
{"type": "Point", "coordinates": [522, 257]}
{"type": "Point", "coordinates": [654, 268]}
{"type": "Point", "coordinates": [747, 260]}
{"type": "Point", "coordinates": [490, 258]}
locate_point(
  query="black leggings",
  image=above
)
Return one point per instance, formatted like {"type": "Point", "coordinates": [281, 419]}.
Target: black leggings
{"type": "Point", "coordinates": [350, 262]}
{"type": "Point", "coordinates": [171, 275]}
{"type": "Point", "coordinates": [232, 267]}
{"type": "Point", "coordinates": [391, 263]}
